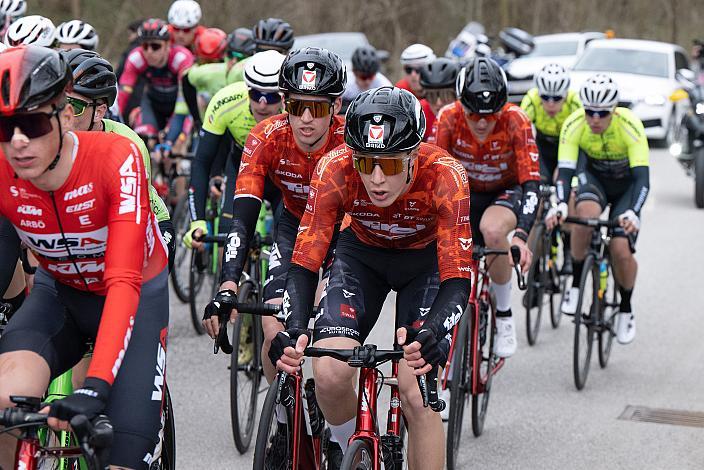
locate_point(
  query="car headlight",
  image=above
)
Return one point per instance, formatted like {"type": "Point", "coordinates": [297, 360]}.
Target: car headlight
{"type": "Point", "coordinates": [655, 100]}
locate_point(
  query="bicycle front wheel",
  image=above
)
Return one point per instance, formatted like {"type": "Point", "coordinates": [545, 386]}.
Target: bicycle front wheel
{"type": "Point", "coordinates": [535, 293]}
{"type": "Point", "coordinates": [202, 288]}
{"type": "Point", "coordinates": [359, 456]}
{"type": "Point", "coordinates": [245, 371]}
{"type": "Point", "coordinates": [608, 309]}
{"type": "Point", "coordinates": [459, 388]}
{"type": "Point", "coordinates": [584, 317]}
{"type": "Point", "coordinates": [485, 361]}
{"type": "Point", "coordinates": [180, 272]}
{"type": "Point", "coordinates": [167, 459]}
{"type": "Point", "coordinates": [274, 444]}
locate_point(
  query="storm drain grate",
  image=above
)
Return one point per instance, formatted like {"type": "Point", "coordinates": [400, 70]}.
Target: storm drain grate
{"type": "Point", "coordinates": [663, 416]}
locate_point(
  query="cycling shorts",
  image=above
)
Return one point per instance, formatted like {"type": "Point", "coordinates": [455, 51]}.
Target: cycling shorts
{"type": "Point", "coordinates": [480, 202]}
{"type": "Point", "coordinates": [57, 321]}
{"type": "Point", "coordinates": [547, 149]}
{"type": "Point", "coordinates": [617, 193]}
{"type": "Point", "coordinates": [285, 233]}
{"type": "Point", "coordinates": [154, 115]}
{"type": "Point", "coordinates": [359, 281]}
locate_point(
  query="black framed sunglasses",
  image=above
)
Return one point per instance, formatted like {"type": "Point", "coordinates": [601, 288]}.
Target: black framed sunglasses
{"type": "Point", "coordinates": [554, 98]}
{"type": "Point", "coordinates": [597, 113]}
{"type": "Point", "coordinates": [409, 70]}
{"type": "Point", "coordinates": [154, 46]}
{"type": "Point", "coordinates": [33, 125]}
{"type": "Point", "coordinates": [270, 98]}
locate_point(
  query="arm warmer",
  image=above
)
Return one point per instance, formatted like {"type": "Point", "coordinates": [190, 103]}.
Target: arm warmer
{"type": "Point", "coordinates": [529, 206]}
{"type": "Point", "coordinates": [641, 187]}
{"type": "Point", "coordinates": [299, 296]}
{"type": "Point", "coordinates": [564, 183]}
{"type": "Point", "coordinates": [9, 253]}
{"type": "Point", "coordinates": [246, 210]}
{"type": "Point", "coordinates": [200, 172]}
{"type": "Point", "coordinates": [190, 95]}
{"type": "Point", "coordinates": [448, 306]}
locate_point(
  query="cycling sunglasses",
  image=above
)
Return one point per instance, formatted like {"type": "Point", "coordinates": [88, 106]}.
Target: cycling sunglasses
{"type": "Point", "coordinates": [476, 117]}
{"type": "Point", "coordinates": [364, 76]}
{"type": "Point", "coordinates": [389, 165]}
{"type": "Point", "coordinates": [182, 30]}
{"type": "Point", "coordinates": [154, 46]}
{"type": "Point", "coordinates": [317, 109]}
{"type": "Point", "coordinates": [554, 98]}
{"type": "Point", "coordinates": [270, 98]}
{"type": "Point", "coordinates": [600, 113]}
{"type": "Point", "coordinates": [409, 70]}
{"type": "Point", "coordinates": [445, 95]}
{"type": "Point", "coordinates": [79, 106]}
{"type": "Point", "coordinates": [32, 125]}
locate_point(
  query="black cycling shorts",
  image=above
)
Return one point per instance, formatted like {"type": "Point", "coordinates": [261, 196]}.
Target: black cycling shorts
{"type": "Point", "coordinates": [360, 278]}
{"type": "Point", "coordinates": [285, 233]}
{"type": "Point", "coordinates": [480, 202]}
{"type": "Point", "coordinates": [617, 193]}
{"type": "Point", "coordinates": [547, 149]}
{"type": "Point", "coordinates": [57, 321]}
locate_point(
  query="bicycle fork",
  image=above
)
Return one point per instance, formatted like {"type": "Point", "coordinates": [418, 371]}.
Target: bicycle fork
{"type": "Point", "coordinates": [366, 427]}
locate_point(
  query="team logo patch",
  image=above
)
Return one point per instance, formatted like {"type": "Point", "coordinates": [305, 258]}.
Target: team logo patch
{"type": "Point", "coordinates": [375, 136]}
{"type": "Point", "coordinates": [308, 80]}
{"type": "Point", "coordinates": [347, 311]}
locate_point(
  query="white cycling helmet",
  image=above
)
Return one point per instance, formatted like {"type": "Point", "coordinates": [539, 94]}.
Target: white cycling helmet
{"type": "Point", "coordinates": [553, 80]}
{"type": "Point", "coordinates": [417, 55]}
{"type": "Point", "coordinates": [261, 71]}
{"type": "Point", "coordinates": [33, 29]}
{"type": "Point", "coordinates": [599, 92]}
{"type": "Point", "coordinates": [13, 8]}
{"type": "Point", "coordinates": [185, 14]}
{"type": "Point", "coordinates": [77, 32]}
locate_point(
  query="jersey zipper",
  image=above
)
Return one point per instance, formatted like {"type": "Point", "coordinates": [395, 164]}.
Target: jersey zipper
{"type": "Point", "coordinates": [63, 237]}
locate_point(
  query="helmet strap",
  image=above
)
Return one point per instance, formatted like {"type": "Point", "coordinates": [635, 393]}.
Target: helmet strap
{"type": "Point", "coordinates": [92, 116]}
{"type": "Point", "coordinates": [56, 159]}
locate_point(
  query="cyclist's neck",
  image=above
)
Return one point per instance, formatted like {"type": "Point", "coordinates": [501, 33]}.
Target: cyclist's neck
{"type": "Point", "coordinates": [315, 146]}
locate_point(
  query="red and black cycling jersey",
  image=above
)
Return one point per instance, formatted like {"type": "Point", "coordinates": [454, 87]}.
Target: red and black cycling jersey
{"type": "Point", "coordinates": [270, 150]}
{"type": "Point", "coordinates": [162, 82]}
{"type": "Point", "coordinates": [508, 156]}
{"type": "Point", "coordinates": [435, 208]}
{"type": "Point", "coordinates": [95, 233]}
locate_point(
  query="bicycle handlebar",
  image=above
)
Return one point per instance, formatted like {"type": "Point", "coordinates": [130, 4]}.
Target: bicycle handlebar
{"type": "Point", "coordinates": [480, 252]}
{"type": "Point", "coordinates": [94, 438]}
{"type": "Point", "coordinates": [593, 223]}
{"type": "Point", "coordinates": [253, 308]}
{"type": "Point", "coordinates": [221, 239]}
{"type": "Point", "coordinates": [368, 356]}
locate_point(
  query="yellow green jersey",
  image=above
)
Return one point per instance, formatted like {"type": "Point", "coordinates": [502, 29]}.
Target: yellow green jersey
{"type": "Point", "coordinates": [543, 122]}
{"type": "Point", "coordinates": [229, 110]}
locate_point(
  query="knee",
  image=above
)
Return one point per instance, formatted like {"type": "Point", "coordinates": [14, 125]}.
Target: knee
{"type": "Point", "coordinates": [620, 251]}
{"type": "Point", "coordinates": [333, 379]}
{"type": "Point", "coordinates": [494, 235]}
{"type": "Point", "coordinates": [271, 328]}
{"type": "Point", "coordinates": [412, 401]}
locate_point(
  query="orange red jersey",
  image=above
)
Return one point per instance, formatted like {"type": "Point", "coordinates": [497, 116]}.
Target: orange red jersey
{"type": "Point", "coordinates": [270, 150]}
{"type": "Point", "coordinates": [96, 233]}
{"type": "Point", "coordinates": [508, 156]}
{"type": "Point", "coordinates": [435, 208]}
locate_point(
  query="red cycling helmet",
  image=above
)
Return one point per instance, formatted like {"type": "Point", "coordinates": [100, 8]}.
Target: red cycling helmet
{"type": "Point", "coordinates": [31, 76]}
{"type": "Point", "coordinates": [153, 29]}
{"type": "Point", "coordinates": [211, 44]}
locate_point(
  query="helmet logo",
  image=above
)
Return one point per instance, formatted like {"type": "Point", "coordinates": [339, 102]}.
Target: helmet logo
{"type": "Point", "coordinates": [486, 94]}
{"type": "Point", "coordinates": [377, 118]}
{"type": "Point", "coordinates": [375, 137]}
{"type": "Point", "coordinates": [310, 65]}
{"type": "Point", "coordinates": [307, 80]}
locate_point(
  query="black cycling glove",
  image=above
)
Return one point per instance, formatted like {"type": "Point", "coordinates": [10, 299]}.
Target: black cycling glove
{"type": "Point", "coordinates": [221, 305]}
{"type": "Point", "coordinates": [168, 234]}
{"type": "Point", "coordinates": [282, 340]}
{"type": "Point", "coordinates": [89, 401]}
{"type": "Point", "coordinates": [430, 349]}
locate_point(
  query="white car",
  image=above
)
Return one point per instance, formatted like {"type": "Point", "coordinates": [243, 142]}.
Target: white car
{"type": "Point", "coordinates": [645, 74]}
{"type": "Point", "coordinates": [342, 44]}
{"type": "Point", "coordinates": [563, 49]}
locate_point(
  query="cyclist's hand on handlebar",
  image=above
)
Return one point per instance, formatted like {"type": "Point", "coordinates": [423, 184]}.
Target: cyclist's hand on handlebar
{"type": "Point", "coordinates": [555, 215]}
{"type": "Point", "coordinates": [629, 221]}
{"type": "Point", "coordinates": [420, 349]}
{"type": "Point", "coordinates": [220, 308]}
{"type": "Point", "coordinates": [286, 350]}
{"type": "Point", "coordinates": [197, 229]}
{"type": "Point", "coordinates": [88, 401]}
{"type": "Point", "coordinates": [526, 254]}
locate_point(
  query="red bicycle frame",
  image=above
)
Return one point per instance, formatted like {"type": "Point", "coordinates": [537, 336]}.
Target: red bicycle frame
{"type": "Point", "coordinates": [307, 449]}
{"type": "Point", "coordinates": [29, 451]}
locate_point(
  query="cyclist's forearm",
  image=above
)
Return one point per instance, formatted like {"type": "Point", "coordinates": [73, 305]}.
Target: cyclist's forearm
{"type": "Point", "coordinates": [564, 182]}
{"type": "Point", "coordinates": [190, 96]}
{"type": "Point", "coordinates": [641, 184]}
{"type": "Point", "coordinates": [241, 231]}
{"type": "Point", "coordinates": [299, 296]}
{"type": "Point", "coordinates": [529, 206]}
{"type": "Point", "coordinates": [175, 127]}
{"type": "Point", "coordinates": [200, 171]}
{"type": "Point", "coordinates": [448, 306]}
{"type": "Point", "coordinates": [9, 253]}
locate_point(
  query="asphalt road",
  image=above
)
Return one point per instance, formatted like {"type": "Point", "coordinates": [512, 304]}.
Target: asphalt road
{"type": "Point", "coordinates": [537, 419]}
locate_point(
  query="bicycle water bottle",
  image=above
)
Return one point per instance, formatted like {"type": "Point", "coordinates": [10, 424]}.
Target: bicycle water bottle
{"type": "Point", "coordinates": [603, 277]}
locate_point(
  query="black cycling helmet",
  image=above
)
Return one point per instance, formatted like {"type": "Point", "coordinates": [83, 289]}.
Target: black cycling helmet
{"type": "Point", "coordinates": [241, 40]}
{"type": "Point", "coordinates": [93, 76]}
{"type": "Point", "coordinates": [481, 86]}
{"type": "Point", "coordinates": [273, 33]}
{"type": "Point", "coordinates": [153, 29]}
{"type": "Point", "coordinates": [440, 73]}
{"type": "Point", "coordinates": [365, 60]}
{"type": "Point", "coordinates": [384, 120]}
{"type": "Point", "coordinates": [313, 71]}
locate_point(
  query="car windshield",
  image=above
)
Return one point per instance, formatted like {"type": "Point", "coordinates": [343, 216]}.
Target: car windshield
{"type": "Point", "coordinates": [342, 44]}
{"type": "Point", "coordinates": [624, 61]}
{"type": "Point", "coordinates": [553, 48]}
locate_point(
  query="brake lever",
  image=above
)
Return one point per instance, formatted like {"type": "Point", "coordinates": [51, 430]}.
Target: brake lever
{"type": "Point", "coordinates": [516, 256]}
